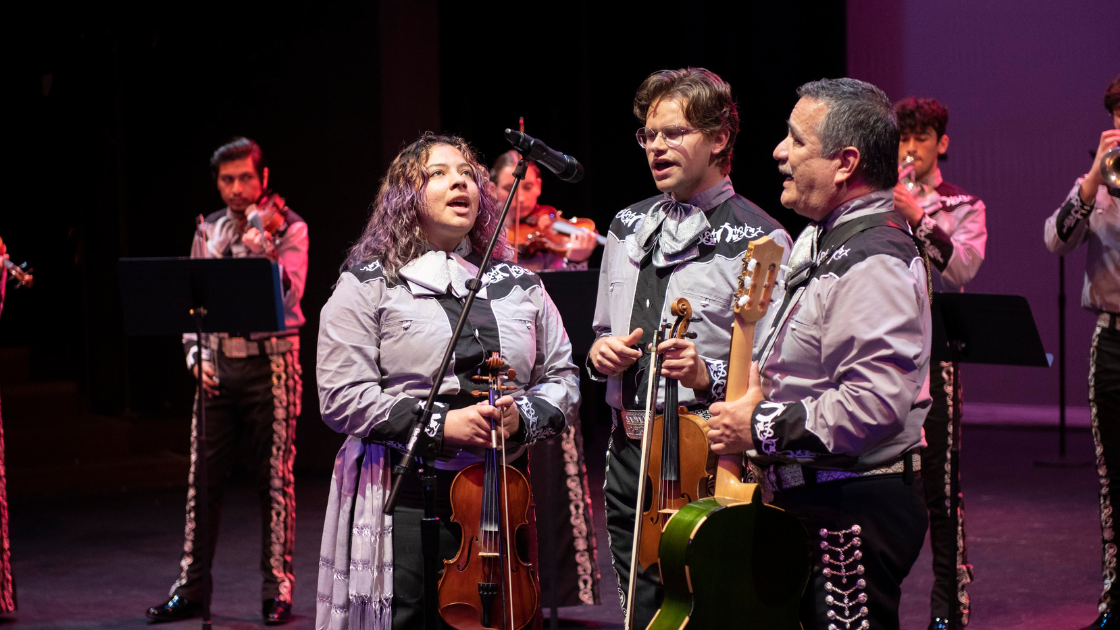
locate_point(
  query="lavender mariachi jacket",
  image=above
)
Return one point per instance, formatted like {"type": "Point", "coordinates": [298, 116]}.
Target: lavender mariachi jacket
{"type": "Point", "coordinates": [380, 340]}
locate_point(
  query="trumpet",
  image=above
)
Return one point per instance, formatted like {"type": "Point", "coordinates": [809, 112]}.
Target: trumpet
{"type": "Point", "coordinates": [906, 173]}
{"type": "Point", "coordinates": [1110, 170]}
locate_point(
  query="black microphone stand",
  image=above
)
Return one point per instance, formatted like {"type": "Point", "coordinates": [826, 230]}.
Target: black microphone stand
{"type": "Point", "coordinates": [420, 444]}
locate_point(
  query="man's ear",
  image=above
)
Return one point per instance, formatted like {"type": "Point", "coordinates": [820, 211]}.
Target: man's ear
{"type": "Point", "coordinates": [264, 179]}
{"type": "Point", "coordinates": [719, 141]}
{"type": "Point", "coordinates": [849, 159]}
{"type": "Point", "coordinates": [943, 144]}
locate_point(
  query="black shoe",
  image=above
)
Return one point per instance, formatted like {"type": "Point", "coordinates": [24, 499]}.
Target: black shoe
{"type": "Point", "coordinates": [1109, 620]}
{"type": "Point", "coordinates": [175, 609]}
{"type": "Point", "coordinates": [276, 612]}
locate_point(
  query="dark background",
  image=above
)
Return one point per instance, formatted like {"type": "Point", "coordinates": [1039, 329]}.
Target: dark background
{"type": "Point", "coordinates": [116, 114]}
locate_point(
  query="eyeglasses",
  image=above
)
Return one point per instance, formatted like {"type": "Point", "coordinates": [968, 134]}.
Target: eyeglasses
{"type": "Point", "coordinates": [673, 135]}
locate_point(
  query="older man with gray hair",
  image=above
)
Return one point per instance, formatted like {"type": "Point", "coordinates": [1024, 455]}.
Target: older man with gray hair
{"type": "Point", "coordinates": [833, 418]}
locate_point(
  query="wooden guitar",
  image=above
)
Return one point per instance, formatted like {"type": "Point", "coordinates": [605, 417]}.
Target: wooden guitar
{"type": "Point", "coordinates": [730, 561]}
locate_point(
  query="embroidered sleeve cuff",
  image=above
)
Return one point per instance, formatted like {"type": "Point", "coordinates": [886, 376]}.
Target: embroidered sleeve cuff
{"type": "Point", "coordinates": [540, 420]}
{"type": "Point", "coordinates": [1073, 212]}
{"type": "Point", "coordinates": [395, 430]}
{"type": "Point", "coordinates": [779, 429]}
{"type": "Point", "coordinates": [938, 245]}
{"type": "Point", "coordinates": [717, 379]}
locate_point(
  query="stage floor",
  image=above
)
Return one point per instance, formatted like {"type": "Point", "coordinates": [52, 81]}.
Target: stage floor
{"type": "Point", "coordinates": [98, 561]}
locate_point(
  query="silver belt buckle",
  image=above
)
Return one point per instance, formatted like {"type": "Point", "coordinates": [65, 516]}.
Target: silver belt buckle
{"type": "Point", "coordinates": [235, 347]}
{"type": "Point", "coordinates": [635, 424]}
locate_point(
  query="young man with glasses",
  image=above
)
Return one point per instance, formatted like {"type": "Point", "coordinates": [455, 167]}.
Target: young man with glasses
{"type": "Point", "coordinates": [686, 242]}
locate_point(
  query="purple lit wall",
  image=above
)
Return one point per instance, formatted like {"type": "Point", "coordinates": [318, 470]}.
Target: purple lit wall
{"type": "Point", "coordinates": [1024, 83]}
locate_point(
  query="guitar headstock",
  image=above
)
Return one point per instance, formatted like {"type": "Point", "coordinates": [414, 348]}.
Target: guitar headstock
{"type": "Point", "coordinates": [757, 279]}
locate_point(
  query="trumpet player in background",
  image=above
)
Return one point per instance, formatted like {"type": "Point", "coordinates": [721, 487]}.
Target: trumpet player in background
{"type": "Point", "coordinates": [1091, 214]}
{"type": "Point", "coordinates": [950, 225]}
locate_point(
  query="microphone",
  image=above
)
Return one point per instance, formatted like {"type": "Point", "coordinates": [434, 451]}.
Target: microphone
{"type": "Point", "coordinates": [563, 166]}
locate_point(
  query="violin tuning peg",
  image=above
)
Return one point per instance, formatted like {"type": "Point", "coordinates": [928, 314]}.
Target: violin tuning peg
{"type": "Point", "coordinates": [479, 394]}
{"type": "Point", "coordinates": [690, 335]}
{"type": "Point", "coordinates": [511, 374]}
{"type": "Point", "coordinates": [696, 319]}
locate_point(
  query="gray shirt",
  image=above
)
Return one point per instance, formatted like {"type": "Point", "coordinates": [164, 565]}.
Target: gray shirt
{"type": "Point", "coordinates": [1099, 227]}
{"type": "Point", "coordinates": [381, 340]}
{"type": "Point", "coordinates": [845, 372]}
{"type": "Point", "coordinates": [708, 282]}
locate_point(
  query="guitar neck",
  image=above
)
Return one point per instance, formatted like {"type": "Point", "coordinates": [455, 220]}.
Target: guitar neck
{"type": "Point", "coordinates": [730, 472]}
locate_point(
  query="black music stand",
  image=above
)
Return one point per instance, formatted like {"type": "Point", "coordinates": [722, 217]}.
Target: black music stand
{"type": "Point", "coordinates": [979, 328]}
{"type": "Point", "coordinates": [171, 296]}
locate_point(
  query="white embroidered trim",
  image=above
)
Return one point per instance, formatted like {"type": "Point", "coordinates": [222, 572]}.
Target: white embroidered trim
{"type": "Point", "coordinates": [764, 426]}
{"type": "Point", "coordinates": [1108, 536]}
{"type": "Point", "coordinates": [717, 377]}
{"type": "Point", "coordinates": [922, 232]}
{"type": "Point", "coordinates": [629, 217]}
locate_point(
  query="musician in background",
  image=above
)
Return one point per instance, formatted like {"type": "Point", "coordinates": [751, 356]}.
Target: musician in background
{"type": "Point", "coordinates": [526, 214]}
{"type": "Point", "coordinates": [688, 241]}
{"type": "Point", "coordinates": [558, 472]}
{"type": "Point", "coordinates": [382, 335]}
{"type": "Point", "coordinates": [1090, 214]}
{"type": "Point", "coordinates": [950, 224]}
{"type": "Point", "coordinates": [835, 421]}
{"type": "Point", "coordinates": [253, 384]}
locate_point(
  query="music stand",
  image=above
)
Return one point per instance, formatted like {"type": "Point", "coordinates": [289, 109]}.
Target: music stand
{"type": "Point", "coordinates": [979, 328]}
{"type": "Point", "coordinates": [171, 296]}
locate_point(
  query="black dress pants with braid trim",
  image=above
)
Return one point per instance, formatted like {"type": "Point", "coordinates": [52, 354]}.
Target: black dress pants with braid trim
{"type": "Point", "coordinates": [951, 571]}
{"type": "Point", "coordinates": [253, 419]}
{"type": "Point", "coordinates": [865, 534]}
{"type": "Point", "coordinates": [1104, 410]}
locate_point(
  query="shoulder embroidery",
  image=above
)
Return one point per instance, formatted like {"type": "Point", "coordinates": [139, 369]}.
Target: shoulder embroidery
{"type": "Point", "coordinates": [838, 254]}
{"type": "Point", "coordinates": [731, 233]}
{"type": "Point", "coordinates": [372, 266]}
{"type": "Point", "coordinates": [955, 200]}
{"type": "Point", "coordinates": [628, 217]}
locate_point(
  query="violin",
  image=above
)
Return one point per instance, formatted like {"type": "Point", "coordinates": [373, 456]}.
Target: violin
{"type": "Point", "coordinates": [555, 239]}
{"type": "Point", "coordinates": [487, 584]}
{"type": "Point", "coordinates": [731, 561]}
{"type": "Point", "coordinates": [268, 215]}
{"type": "Point", "coordinates": [676, 460]}
{"type": "Point", "coordinates": [21, 275]}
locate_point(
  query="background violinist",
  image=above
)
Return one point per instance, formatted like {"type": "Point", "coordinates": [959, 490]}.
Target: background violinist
{"type": "Point", "coordinates": [252, 382]}
{"type": "Point", "coordinates": [568, 555]}
{"type": "Point", "coordinates": [381, 337]}
{"type": "Point", "coordinates": [526, 214]}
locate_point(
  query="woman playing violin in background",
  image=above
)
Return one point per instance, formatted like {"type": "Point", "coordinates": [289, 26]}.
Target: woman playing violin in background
{"type": "Point", "coordinates": [381, 337]}
{"type": "Point", "coordinates": [531, 224]}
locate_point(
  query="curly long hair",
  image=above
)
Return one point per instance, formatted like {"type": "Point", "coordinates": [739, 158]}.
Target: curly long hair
{"type": "Point", "coordinates": [393, 234]}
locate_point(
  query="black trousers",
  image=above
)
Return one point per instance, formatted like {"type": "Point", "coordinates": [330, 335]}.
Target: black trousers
{"type": "Point", "coordinates": [408, 556]}
{"type": "Point", "coordinates": [864, 536]}
{"type": "Point", "coordinates": [1104, 410]}
{"type": "Point", "coordinates": [951, 570]}
{"type": "Point", "coordinates": [620, 488]}
{"type": "Point", "coordinates": [253, 417]}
